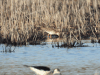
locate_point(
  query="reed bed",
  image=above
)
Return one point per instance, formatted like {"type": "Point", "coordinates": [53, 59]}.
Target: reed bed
{"type": "Point", "coordinates": [76, 19]}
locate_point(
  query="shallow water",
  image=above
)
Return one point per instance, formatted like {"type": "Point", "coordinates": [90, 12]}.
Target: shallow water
{"type": "Point", "coordinates": [71, 61]}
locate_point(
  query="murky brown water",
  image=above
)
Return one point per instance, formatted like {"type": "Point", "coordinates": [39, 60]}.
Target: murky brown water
{"type": "Point", "coordinates": [72, 61]}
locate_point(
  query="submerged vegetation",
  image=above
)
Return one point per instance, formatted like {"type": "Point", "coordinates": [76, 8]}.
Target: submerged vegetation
{"type": "Point", "coordinates": [21, 20]}
{"type": "Point", "coordinates": [7, 49]}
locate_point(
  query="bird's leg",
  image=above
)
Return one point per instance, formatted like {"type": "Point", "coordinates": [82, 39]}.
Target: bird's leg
{"type": "Point", "coordinates": [48, 36]}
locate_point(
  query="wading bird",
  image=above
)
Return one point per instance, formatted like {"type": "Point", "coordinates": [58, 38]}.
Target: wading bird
{"type": "Point", "coordinates": [43, 70]}
{"type": "Point", "coordinates": [50, 31]}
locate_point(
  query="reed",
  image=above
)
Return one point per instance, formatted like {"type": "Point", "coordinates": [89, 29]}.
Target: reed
{"type": "Point", "coordinates": [20, 19]}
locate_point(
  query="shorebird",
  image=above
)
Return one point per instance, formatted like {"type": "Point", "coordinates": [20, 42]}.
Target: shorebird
{"type": "Point", "coordinates": [50, 31]}
{"type": "Point", "coordinates": [43, 70]}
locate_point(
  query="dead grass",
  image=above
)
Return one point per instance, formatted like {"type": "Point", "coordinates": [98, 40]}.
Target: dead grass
{"type": "Point", "coordinates": [20, 19]}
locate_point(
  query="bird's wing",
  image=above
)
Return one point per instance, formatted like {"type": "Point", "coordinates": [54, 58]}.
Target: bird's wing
{"type": "Point", "coordinates": [41, 70]}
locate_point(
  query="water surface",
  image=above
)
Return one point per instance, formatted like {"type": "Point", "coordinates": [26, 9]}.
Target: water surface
{"type": "Point", "coordinates": [71, 61]}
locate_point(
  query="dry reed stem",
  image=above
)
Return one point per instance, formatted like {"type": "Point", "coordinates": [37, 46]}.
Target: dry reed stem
{"type": "Point", "coordinates": [20, 18]}
{"type": "Point", "coordinates": [88, 2]}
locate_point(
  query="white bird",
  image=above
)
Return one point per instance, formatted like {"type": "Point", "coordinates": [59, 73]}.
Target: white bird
{"type": "Point", "coordinates": [43, 70]}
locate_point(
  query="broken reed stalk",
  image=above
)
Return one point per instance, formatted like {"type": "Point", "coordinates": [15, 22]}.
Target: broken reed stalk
{"type": "Point", "coordinates": [21, 18]}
